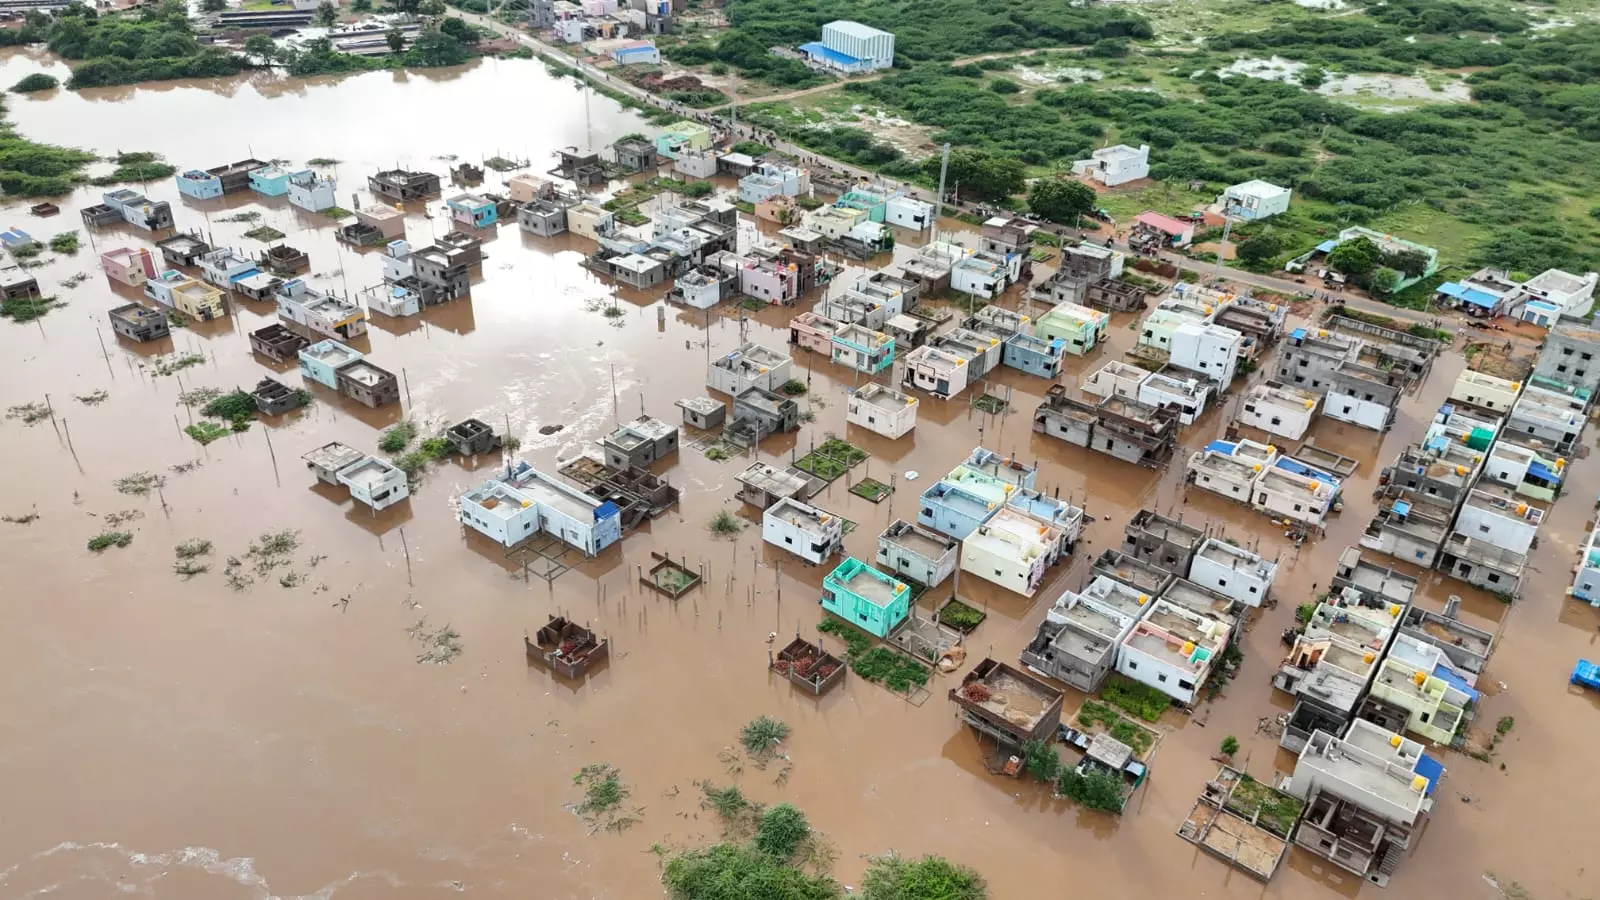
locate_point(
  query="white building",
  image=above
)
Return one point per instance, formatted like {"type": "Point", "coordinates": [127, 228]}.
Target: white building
{"type": "Point", "coordinates": [224, 266]}
{"type": "Point", "coordinates": [908, 212]}
{"type": "Point", "coordinates": [1349, 400]}
{"type": "Point", "coordinates": [1187, 394]}
{"type": "Point", "coordinates": [1115, 379]}
{"type": "Point", "coordinates": [1011, 549]}
{"type": "Point", "coordinates": [1280, 492]}
{"type": "Point", "coordinates": [979, 275]}
{"type": "Point", "coordinates": [920, 554]}
{"type": "Point", "coordinates": [319, 312]}
{"type": "Point", "coordinates": [1174, 649]}
{"type": "Point", "coordinates": [1254, 200]}
{"type": "Point", "coordinates": [805, 531]}
{"type": "Point", "coordinates": [1233, 571]}
{"type": "Point", "coordinates": [1112, 166]}
{"type": "Point", "coordinates": [509, 512]}
{"type": "Point", "coordinates": [589, 220]}
{"type": "Point", "coordinates": [852, 47]}
{"type": "Point", "coordinates": [1570, 295]}
{"type": "Point", "coordinates": [1586, 585]}
{"type": "Point", "coordinates": [375, 482]}
{"type": "Point", "coordinates": [939, 372]}
{"type": "Point", "coordinates": [1487, 391]}
{"type": "Point", "coordinates": [1279, 409]}
{"type": "Point", "coordinates": [1494, 514]}
{"type": "Point", "coordinates": [883, 410]}
{"type": "Point", "coordinates": [312, 192]}
{"type": "Point", "coordinates": [749, 366]}
{"type": "Point", "coordinates": [1208, 350]}
{"type": "Point", "coordinates": [1224, 474]}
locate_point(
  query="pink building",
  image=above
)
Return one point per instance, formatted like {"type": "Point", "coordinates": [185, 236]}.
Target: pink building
{"type": "Point", "coordinates": [771, 281]}
{"type": "Point", "coordinates": [128, 266]}
{"type": "Point", "coordinates": [813, 332]}
{"type": "Point", "coordinates": [779, 208]}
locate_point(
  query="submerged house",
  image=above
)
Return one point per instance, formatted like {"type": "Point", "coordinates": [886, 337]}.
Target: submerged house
{"type": "Point", "coordinates": [187, 295]}
{"type": "Point", "coordinates": [1011, 549]}
{"type": "Point", "coordinates": [1078, 640]}
{"type": "Point", "coordinates": [319, 312]}
{"type": "Point", "coordinates": [866, 598]}
{"type": "Point", "coordinates": [911, 551]}
{"type": "Point", "coordinates": [139, 323]}
{"type": "Point", "coordinates": [376, 482]}
{"type": "Point", "coordinates": [402, 185]}
{"type": "Point", "coordinates": [529, 502]}
{"type": "Point", "coordinates": [883, 410]}
{"type": "Point", "coordinates": [1175, 649]}
{"type": "Point", "coordinates": [637, 444]}
{"type": "Point", "coordinates": [752, 365]}
{"type": "Point", "coordinates": [807, 532]}
{"type": "Point", "coordinates": [139, 211]}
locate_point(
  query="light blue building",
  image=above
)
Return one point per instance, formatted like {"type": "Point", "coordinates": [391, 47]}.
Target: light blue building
{"type": "Point", "coordinates": [199, 184]}
{"type": "Point", "coordinates": [865, 597]}
{"type": "Point", "coordinates": [961, 501]}
{"type": "Point", "coordinates": [874, 204]}
{"type": "Point", "coordinates": [270, 181]}
{"type": "Point", "coordinates": [473, 210]}
{"type": "Point", "coordinates": [312, 192]}
{"type": "Point", "coordinates": [1034, 355]}
{"type": "Point", "coordinates": [320, 361]}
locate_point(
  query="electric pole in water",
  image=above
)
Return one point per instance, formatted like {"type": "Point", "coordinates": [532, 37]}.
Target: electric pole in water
{"type": "Point", "coordinates": [938, 212]}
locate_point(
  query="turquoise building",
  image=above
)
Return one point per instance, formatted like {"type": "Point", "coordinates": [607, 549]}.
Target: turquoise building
{"type": "Point", "coordinates": [865, 597]}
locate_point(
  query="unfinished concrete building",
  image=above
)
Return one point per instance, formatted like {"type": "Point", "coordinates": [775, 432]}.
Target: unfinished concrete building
{"type": "Point", "coordinates": [274, 398]}
{"type": "Point", "coordinates": [471, 437]}
{"type": "Point", "coordinates": [1127, 430]}
{"type": "Point", "coordinates": [1008, 704]}
{"type": "Point", "coordinates": [367, 384]}
{"type": "Point", "coordinates": [758, 413]}
{"type": "Point", "coordinates": [1568, 357]}
{"type": "Point", "coordinates": [1330, 665]}
{"type": "Point", "coordinates": [401, 185]}
{"type": "Point", "coordinates": [1160, 541]}
{"type": "Point", "coordinates": [1357, 579]}
{"type": "Point", "coordinates": [327, 460]}
{"type": "Point", "coordinates": [183, 249]}
{"type": "Point", "coordinates": [762, 485]}
{"type": "Point", "coordinates": [1466, 647]}
{"type": "Point", "coordinates": [1144, 577]}
{"type": "Point", "coordinates": [1077, 642]}
{"type": "Point", "coordinates": [277, 343]}
{"type": "Point", "coordinates": [1408, 526]}
{"type": "Point", "coordinates": [637, 444]}
{"type": "Point", "coordinates": [139, 323]}
{"type": "Point", "coordinates": [752, 365]}
{"type": "Point", "coordinates": [703, 413]}
{"type": "Point", "coordinates": [1366, 794]}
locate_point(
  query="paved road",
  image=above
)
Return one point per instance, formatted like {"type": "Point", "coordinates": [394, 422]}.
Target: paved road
{"type": "Point", "coordinates": [817, 161]}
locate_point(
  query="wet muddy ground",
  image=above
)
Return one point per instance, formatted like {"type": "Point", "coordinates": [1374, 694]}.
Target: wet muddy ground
{"type": "Point", "coordinates": [181, 739]}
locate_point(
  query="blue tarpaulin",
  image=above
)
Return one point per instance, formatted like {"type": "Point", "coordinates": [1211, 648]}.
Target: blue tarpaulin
{"type": "Point", "coordinates": [1298, 334]}
{"type": "Point", "coordinates": [1221, 447]}
{"type": "Point", "coordinates": [1542, 472]}
{"type": "Point", "coordinates": [815, 48]}
{"type": "Point", "coordinates": [1401, 508]}
{"type": "Point", "coordinates": [1431, 769]}
{"type": "Point", "coordinates": [1327, 246]}
{"type": "Point", "coordinates": [1469, 295]}
{"type": "Point", "coordinates": [1305, 471]}
{"type": "Point", "coordinates": [1454, 679]}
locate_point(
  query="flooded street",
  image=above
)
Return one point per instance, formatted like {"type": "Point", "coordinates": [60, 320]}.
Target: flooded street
{"type": "Point", "coordinates": [177, 738]}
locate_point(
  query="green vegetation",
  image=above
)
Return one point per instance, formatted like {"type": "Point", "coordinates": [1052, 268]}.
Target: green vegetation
{"type": "Point", "coordinates": [1139, 699]}
{"type": "Point", "coordinates": [1504, 726]}
{"type": "Point", "coordinates": [66, 242]}
{"type": "Point", "coordinates": [206, 432]}
{"type": "Point", "coordinates": [871, 489]}
{"type": "Point", "coordinates": [135, 167]}
{"type": "Point", "coordinates": [878, 664]}
{"type": "Point", "coordinates": [264, 233]}
{"type": "Point", "coordinates": [603, 790]}
{"type": "Point", "coordinates": [1040, 759]}
{"type": "Point", "coordinates": [1502, 180]}
{"type": "Point", "coordinates": [761, 736]}
{"type": "Point", "coordinates": [38, 81]}
{"type": "Point", "coordinates": [155, 44]}
{"type": "Point", "coordinates": [26, 309]}
{"type": "Point", "coordinates": [1304, 612]}
{"type": "Point", "coordinates": [236, 406]}
{"type": "Point", "coordinates": [725, 524]}
{"type": "Point", "coordinates": [782, 830]}
{"type": "Point", "coordinates": [110, 539]}
{"type": "Point", "coordinates": [929, 878]}
{"type": "Point", "coordinates": [794, 387]}
{"type": "Point", "coordinates": [1093, 713]}
{"type": "Point", "coordinates": [398, 438]}
{"type": "Point", "coordinates": [751, 148]}
{"type": "Point", "coordinates": [1230, 745]}
{"type": "Point", "coordinates": [732, 871]}
{"type": "Point", "coordinates": [1277, 811]}
{"type": "Point", "coordinates": [139, 483]}
{"type": "Point", "coordinates": [1095, 790]}
{"type": "Point", "coordinates": [960, 616]}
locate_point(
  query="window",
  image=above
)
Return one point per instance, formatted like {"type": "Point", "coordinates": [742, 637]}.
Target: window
{"type": "Point", "coordinates": [1369, 398]}
{"type": "Point", "coordinates": [1424, 718]}
{"type": "Point", "coordinates": [1562, 368]}
{"type": "Point", "coordinates": [1298, 508]}
{"type": "Point", "coordinates": [1252, 590]}
{"type": "Point", "coordinates": [1222, 582]}
{"type": "Point", "coordinates": [1316, 383]}
{"type": "Point", "coordinates": [1277, 421]}
{"type": "Point", "coordinates": [1586, 356]}
{"type": "Point", "coordinates": [1494, 578]}
{"type": "Point", "coordinates": [1133, 664]}
{"type": "Point", "coordinates": [789, 541]}
{"type": "Point", "coordinates": [1347, 410]}
{"type": "Point", "coordinates": [1302, 363]}
{"type": "Point", "coordinates": [1186, 685]}
{"type": "Point", "coordinates": [1484, 529]}
{"type": "Point", "coordinates": [1566, 351]}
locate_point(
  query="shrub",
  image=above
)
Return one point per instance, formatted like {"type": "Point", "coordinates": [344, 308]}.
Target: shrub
{"type": "Point", "coordinates": [730, 871]}
{"type": "Point", "coordinates": [783, 828]}
{"type": "Point", "coordinates": [761, 735]}
{"type": "Point", "coordinates": [1041, 760]}
{"type": "Point", "coordinates": [110, 539]}
{"type": "Point", "coordinates": [398, 438]}
{"type": "Point", "coordinates": [1095, 790]}
{"type": "Point", "coordinates": [38, 81]}
{"type": "Point", "coordinates": [725, 524]}
{"type": "Point", "coordinates": [929, 878]}
{"type": "Point", "coordinates": [1139, 699]}
{"type": "Point", "coordinates": [1230, 745]}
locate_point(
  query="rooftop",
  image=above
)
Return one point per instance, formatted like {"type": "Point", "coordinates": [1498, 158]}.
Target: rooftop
{"type": "Point", "coordinates": [371, 472]}
{"type": "Point", "coordinates": [867, 583]}
{"type": "Point", "coordinates": [332, 456]}
{"type": "Point", "coordinates": [1223, 553]}
{"type": "Point", "coordinates": [363, 372]}
{"type": "Point", "coordinates": [1368, 765]}
{"type": "Point", "coordinates": [1013, 533]}
{"type": "Point", "coordinates": [916, 539]}
{"type": "Point", "coordinates": [333, 353]}
{"type": "Point", "coordinates": [1171, 531]}
{"type": "Point", "coordinates": [884, 398]}
{"type": "Point", "coordinates": [778, 482]}
{"type": "Point", "coordinates": [806, 518]}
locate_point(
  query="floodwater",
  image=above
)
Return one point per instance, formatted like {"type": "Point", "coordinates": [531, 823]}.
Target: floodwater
{"type": "Point", "coordinates": [179, 739]}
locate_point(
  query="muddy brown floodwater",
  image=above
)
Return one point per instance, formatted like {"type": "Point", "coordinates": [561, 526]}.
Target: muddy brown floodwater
{"type": "Point", "coordinates": [176, 738]}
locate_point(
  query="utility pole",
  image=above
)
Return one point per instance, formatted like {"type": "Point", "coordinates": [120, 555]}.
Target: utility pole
{"type": "Point", "coordinates": [938, 210]}
{"type": "Point", "coordinates": [1222, 248]}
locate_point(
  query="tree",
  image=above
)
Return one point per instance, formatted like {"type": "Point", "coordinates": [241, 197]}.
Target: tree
{"type": "Point", "coordinates": [1095, 790]}
{"type": "Point", "coordinates": [326, 14]}
{"type": "Point", "coordinates": [1060, 200]}
{"type": "Point", "coordinates": [1411, 262]}
{"type": "Point", "coordinates": [983, 175]}
{"type": "Point", "coordinates": [1230, 745]}
{"type": "Point", "coordinates": [435, 48]}
{"type": "Point", "coordinates": [1384, 281]}
{"type": "Point", "coordinates": [929, 878]}
{"type": "Point", "coordinates": [1041, 760]}
{"type": "Point", "coordinates": [1257, 249]}
{"type": "Point", "coordinates": [460, 30]}
{"type": "Point", "coordinates": [424, 7]}
{"type": "Point", "coordinates": [396, 39]}
{"type": "Point", "coordinates": [1355, 258]}
{"type": "Point", "coordinates": [261, 48]}
{"type": "Point", "coordinates": [360, 5]}
{"type": "Point", "coordinates": [729, 871]}
{"type": "Point", "coordinates": [213, 5]}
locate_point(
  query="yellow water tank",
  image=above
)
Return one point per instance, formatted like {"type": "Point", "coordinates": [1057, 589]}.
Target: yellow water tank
{"type": "Point", "coordinates": [1419, 677]}
{"type": "Point", "coordinates": [1188, 648]}
{"type": "Point", "coordinates": [1516, 385]}
{"type": "Point", "coordinates": [1394, 610]}
{"type": "Point", "coordinates": [527, 503]}
{"type": "Point", "coordinates": [1522, 509]}
{"type": "Point", "coordinates": [1419, 783]}
{"type": "Point", "coordinates": [1010, 488]}
{"type": "Point", "coordinates": [1271, 449]}
{"type": "Point", "coordinates": [1461, 470]}
{"type": "Point", "coordinates": [1394, 740]}
{"type": "Point", "coordinates": [1311, 404]}
{"type": "Point", "coordinates": [1143, 599]}
{"type": "Point", "coordinates": [1368, 658]}
{"type": "Point", "coordinates": [899, 587]}
{"type": "Point", "coordinates": [1257, 467]}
